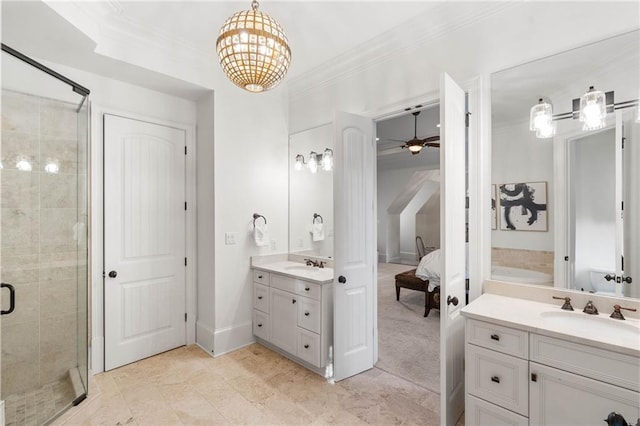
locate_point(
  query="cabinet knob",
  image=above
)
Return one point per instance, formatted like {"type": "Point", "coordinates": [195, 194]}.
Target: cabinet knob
{"type": "Point", "coordinates": [306, 346]}
{"type": "Point", "coordinates": [259, 276]}
{"type": "Point", "coordinates": [259, 325]}
{"type": "Point", "coordinates": [293, 300]}
{"type": "Point", "coordinates": [306, 289]}
{"type": "Point", "coordinates": [306, 314]}
{"type": "Point", "coordinates": [259, 297]}
{"type": "Point", "coordinates": [342, 279]}
{"type": "Point", "coordinates": [495, 379]}
{"type": "Point", "coordinates": [495, 337]}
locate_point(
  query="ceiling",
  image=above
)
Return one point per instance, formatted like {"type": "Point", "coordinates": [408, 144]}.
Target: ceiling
{"type": "Point", "coordinates": [183, 30]}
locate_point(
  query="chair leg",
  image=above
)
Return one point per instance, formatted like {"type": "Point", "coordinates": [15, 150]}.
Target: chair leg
{"type": "Point", "coordinates": [397, 292]}
{"type": "Point", "coordinates": [427, 308]}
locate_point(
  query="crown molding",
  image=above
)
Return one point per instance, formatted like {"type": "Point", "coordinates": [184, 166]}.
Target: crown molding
{"type": "Point", "coordinates": [425, 28]}
{"type": "Point", "coordinates": [123, 38]}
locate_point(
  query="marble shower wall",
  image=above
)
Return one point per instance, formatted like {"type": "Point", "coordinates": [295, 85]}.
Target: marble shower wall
{"type": "Point", "coordinates": [43, 245]}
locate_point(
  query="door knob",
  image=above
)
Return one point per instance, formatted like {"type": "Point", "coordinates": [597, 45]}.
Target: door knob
{"type": "Point", "coordinates": [626, 280]}
{"type": "Point", "coordinates": [342, 279]}
{"type": "Point", "coordinates": [113, 274]}
{"type": "Point", "coordinates": [451, 300]}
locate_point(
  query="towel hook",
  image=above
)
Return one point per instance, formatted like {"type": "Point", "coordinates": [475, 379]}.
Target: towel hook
{"type": "Point", "coordinates": [315, 216]}
{"type": "Point", "coordinates": [256, 216]}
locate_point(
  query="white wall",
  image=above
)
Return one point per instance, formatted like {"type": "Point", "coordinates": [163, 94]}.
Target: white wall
{"type": "Point", "coordinates": [428, 221]}
{"type": "Point", "coordinates": [518, 156]}
{"type": "Point", "coordinates": [205, 322]}
{"type": "Point", "coordinates": [390, 183]}
{"type": "Point", "coordinates": [251, 163]}
{"type": "Point", "coordinates": [112, 95]}
{"type": "Point", "coordinates": [408, 250]}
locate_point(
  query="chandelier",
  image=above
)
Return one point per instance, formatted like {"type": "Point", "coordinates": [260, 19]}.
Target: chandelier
{"type": "Point", "coordinates": [253, 50]}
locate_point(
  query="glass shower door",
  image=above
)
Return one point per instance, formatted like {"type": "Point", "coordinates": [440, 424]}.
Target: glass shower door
{"type": "Point", "coordinates": [43, 244]}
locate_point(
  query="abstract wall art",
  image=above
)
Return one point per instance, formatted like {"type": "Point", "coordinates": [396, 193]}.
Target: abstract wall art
{"type": "Point", "coordinates": [523, 206]}
{"type": "Point", "coordinates": [494, 207]}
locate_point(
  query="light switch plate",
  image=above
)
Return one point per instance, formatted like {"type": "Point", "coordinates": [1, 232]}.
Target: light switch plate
{"type": "Point", "coordinates": [230, 238]}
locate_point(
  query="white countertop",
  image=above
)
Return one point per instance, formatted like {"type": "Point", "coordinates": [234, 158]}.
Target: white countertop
{"type": "Point", "coordinates": [548, 319]}
{"type": "Point", "coordinates": [297, 270]}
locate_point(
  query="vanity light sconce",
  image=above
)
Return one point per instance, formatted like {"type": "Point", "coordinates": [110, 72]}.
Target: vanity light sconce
{"type": "Point", "coordinates": [324, 160]}
{"type": "Point", "coordinates": [591, 109]}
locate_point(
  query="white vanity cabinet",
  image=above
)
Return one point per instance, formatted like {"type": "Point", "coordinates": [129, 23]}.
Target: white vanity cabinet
{"type": "Point", "coordinates": [516, 377]}
{"type": "Point", "coordinates": [294, 316]}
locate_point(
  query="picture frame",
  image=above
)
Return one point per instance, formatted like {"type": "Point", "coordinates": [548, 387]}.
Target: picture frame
{"type": "Point", "coordinates": [523, 206]}
{"type": "Point", "coordinates": [494, 207]}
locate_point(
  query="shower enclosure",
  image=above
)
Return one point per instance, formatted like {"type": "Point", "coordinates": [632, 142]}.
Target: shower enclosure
{"type": "Point", "coordinates": [43, 241]}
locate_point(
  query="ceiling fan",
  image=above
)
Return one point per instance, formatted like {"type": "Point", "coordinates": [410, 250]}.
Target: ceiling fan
{"type": "Point", "coordinates": [415, 145]}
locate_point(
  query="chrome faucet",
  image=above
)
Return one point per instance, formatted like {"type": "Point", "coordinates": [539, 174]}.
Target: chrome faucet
{"type": "Point", "coordinates": [322, 263]}
{"type": "Point", "coordinates": [590, 308]}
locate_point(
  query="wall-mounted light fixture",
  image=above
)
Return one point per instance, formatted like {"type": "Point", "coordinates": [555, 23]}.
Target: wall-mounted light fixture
{"type": "Point", "coordinates": [591, 109]}
{"type": "Point", "coordinates": [324, 160]}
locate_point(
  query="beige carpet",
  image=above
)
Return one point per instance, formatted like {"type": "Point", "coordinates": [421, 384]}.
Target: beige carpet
{"type": "Point", "coordinates": [408, 343]}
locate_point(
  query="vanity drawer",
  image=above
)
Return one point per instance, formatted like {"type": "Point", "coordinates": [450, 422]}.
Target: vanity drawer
{"type": "Point", "coordinates": [284, 283]}
{"type": "Point", "coordinates": [309, 347]}
{"type": "Point", "coordinates": [309, 314]}
{"type": "Point", "coordinates": [483, 413]}
{"type": "Point", "coordinates": [498, 378]}
{"type": "Point", "coordinates": [261, 325]}
{"type": "Point", "coordinates": [261, 277]}
{"type": "Point", "coordinates": [261, 297]}
{"type": "Point", "coordinates": [498, 338]}
{"type": "Point", "coordinates": [599, 364]}
{"type": "Point", "coordinates": [308, 289]}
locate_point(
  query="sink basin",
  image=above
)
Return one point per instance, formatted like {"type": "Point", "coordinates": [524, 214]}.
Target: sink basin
{"type": "Point", "coordinates": [596, 324]}
{"type": "Point", "coordinates": [294, 269]}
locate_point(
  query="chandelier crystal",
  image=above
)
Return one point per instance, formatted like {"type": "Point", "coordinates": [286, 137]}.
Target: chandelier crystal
{"type": "Point", "coordinates": [253, 50]}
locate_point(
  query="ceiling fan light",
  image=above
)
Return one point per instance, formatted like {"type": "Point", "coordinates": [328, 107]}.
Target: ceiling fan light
{"type": "Point", "coordinates": [593, 109]}
{"type": "Point", "coordinates": [415, 149]}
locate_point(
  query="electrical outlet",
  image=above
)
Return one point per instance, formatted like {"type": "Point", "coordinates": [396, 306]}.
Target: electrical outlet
{"type": "Point", "coordinates": [230, 238]}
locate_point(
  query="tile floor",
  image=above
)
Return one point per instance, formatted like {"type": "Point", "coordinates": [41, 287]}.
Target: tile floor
{"type": "Point", "coordinates": [253, 385]}
{"type": "Point", "coordinates": [38, 406]}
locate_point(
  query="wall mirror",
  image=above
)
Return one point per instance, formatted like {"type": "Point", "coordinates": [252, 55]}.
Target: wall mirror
{"type": "Point", "coordinates": [311, 192]}
{"type": "Point", "coordinates": [565, 199]}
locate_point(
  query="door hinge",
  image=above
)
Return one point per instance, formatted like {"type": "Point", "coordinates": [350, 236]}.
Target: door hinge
{"type": "Point", "coordinates": [466, 119]}
{"type": "Point", "coordinates": [185, 205]}
{"type": "Point", "coordinates": [185, 261]}
{"type": "Point", "coordinates": [534, 377]}
{"type": "Point", "coordinates": [185, 317]}
{"type": "Point", "coordinates": [623, 139]}
{"type": "Point", "coordinates": [185, 150]}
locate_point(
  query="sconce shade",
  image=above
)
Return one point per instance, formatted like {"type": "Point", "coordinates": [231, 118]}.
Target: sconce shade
{"type": "Point", "coordinates": [313, 162]}
{"type": "Point", "coordinates": [327, 160]}
{"type": "Point", "coordinates": [299, 162]}
{"type": "Point", "coordinates": [593, 109]}
{"type": "Point", "coordinates": [253, 50]}
{"type": "Point", "coordinates": [541, 117]}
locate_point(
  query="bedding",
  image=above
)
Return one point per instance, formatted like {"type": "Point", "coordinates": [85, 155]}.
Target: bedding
{"type": "Point", "coordinates": [429, 267]}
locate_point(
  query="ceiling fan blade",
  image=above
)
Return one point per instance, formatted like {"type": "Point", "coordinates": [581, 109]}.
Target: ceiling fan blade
{"type": "Point", "coordinates": [390, 151]}
{"type": "Point", "coordinates": [393, 140]}
{"type": "Point", "coordinates": [430, 139]}
{"type": "Point", "coordinates": [432, 144]}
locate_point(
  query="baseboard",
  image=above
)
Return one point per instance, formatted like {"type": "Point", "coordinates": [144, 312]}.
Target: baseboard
{"type": "Point", "coordinates": [394, 260]}
{"type": "Point", "coordinates": [204, 337]}
{"type": "Point", "coordinates": [232, 338]}
{"type": "Point", "coordinates": [407, 256]}
{"type": "Point", "coordinates": [2, 423]}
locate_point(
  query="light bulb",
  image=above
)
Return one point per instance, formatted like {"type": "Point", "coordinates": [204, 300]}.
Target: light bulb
{"type": "Point", "coordinates": [546, 131]}
{"type": "Point", "coordinates": [299, 162]}
{"type": "Point", "coordinates": [593, 109]}
{"type": "Point", "coordinates": [541, 116]}
{"type": "Point", "coordinates": [327, 160]}
{"type": "Point", "coordinates": [313, 162]}
{"type": "Point", "coordinates": [23, 165]}
{"type": "Point", "coordinates": [52, 166]}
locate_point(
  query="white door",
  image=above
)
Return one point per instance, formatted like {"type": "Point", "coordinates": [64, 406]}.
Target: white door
{"type": "Point", "coordinates": [452, 246]}
{"type": "Point", "coordinates": [354, 245]}
{"type": "Point", "coordinates": [144, 241]}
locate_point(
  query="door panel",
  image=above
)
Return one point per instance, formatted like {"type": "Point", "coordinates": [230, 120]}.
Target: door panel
{"type": "Point", "coordinates": [452, 246]}
{"type": "Point", "coordinates": [354, 241]}
{"type": "Point", "coordinates": [144, 239]}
